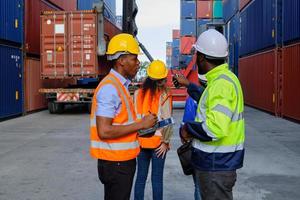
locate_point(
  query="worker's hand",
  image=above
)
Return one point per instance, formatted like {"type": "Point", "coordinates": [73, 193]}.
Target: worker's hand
{"type": "Point", "coordinates": [162, 150]}
{"type": "Point", "coordinates": [181, 80]}
{"type": "Point", "coordinates": [149, 121]}
{"type": "Point", "coordinates": [184, 135]}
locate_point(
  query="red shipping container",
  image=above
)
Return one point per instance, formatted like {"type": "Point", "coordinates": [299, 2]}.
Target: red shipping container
{"type": "Point", "coordinates": [82, 39]}
{"type": "Point", "coordinates": [204, 9]}
{"type": "Point", "coordinates": [33, 9]}
{"type": "Point", "coordinates": [243, 3]}
{"type": "Point", "coordinates": [259, 79]}
{"type": "Point", "coordinates": [54, 45]}
{"type": "Point", "coordinates": [176, 34]}
{"type": "Point", "coordinates": [186, 44]}
{"type": "Point", "coordinates": [291, 81]}
{"type": "Point", "coordinates": [67, 5]}
{"type": "Point", "coordinates": [33, 82]}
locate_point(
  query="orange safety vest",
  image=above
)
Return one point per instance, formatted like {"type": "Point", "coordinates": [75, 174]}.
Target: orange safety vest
{"type": "Point", "coordinates": [118, 149]}
{"type": "Point", "coordinates": [145, 103]}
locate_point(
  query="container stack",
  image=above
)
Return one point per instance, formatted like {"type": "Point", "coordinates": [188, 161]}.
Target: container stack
{"type": "Point", "coordinates": [195, 17]}
{"type": "Point", "coordinates": [175, 49]}
{"type": "Point", "coordinates": [264, 51]}
{"type": "Point", "coordinates": [169, 54]}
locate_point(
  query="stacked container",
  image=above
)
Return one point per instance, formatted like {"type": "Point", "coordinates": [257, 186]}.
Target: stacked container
{"type": "Point", "coordinates": [195, 17]}
{"type": "Point", "coordinates": [175, 49]}
{"type": "Point", "coordinates": [169, 54]}
{"type": "Point", "coordinates": [11, 58]}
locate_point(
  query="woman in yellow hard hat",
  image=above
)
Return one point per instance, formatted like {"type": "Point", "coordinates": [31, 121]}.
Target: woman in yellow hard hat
{"type": "Point", "coordinates": [153, 97]}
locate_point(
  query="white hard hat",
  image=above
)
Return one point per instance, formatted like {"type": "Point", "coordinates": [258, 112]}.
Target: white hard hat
{"type": "Point", "coordinates": [212, 43]}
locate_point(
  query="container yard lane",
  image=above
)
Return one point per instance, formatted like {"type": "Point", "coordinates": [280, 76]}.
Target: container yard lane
{"type": "Point", "coordinates": [46, 157]}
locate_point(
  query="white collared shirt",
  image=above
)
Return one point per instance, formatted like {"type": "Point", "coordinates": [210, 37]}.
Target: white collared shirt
{"type": "Point", "coordinates": [108, 100]}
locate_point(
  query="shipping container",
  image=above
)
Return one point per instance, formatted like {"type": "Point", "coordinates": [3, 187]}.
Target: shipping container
{"type": "Point", "coordinates": [258, 75]}
{"type": "Point", "coordinates": [69, 5]}
{"type": "Point", "coordinates": [33, 9]}
{"type": "Point", "coordinates": [188, 27]}
{"type": "Point", "coordinates": [175, 43]}
{"type": "Point", "coordinates": [233, 36]}
{"type": "Point", "coordinates": [201, 25]}
{"type": "Point", "coordinates": [11, 78]}
{"type": "Point", "coordinates": [54, 45]}
{"type": "Point", "coordinates": [258, 27]}
{"type": "Point", "coordinates": [176, 34]}
{"type": "Point", "coordinates": [34, 100]}
{"type": "Point", "coordinates": [184, 60]}
{"type": "Point", "coordinates": [291, 21]}
{"type": "Point", "coordinates": [230, 8]}
{"type": "Point", "coordinates": [188, 9]}
{"type": "Point", "coordinates": [291, 81]}
{"type": "Point", "coordinates": [217, 9]}
{"type": "Point", "coordinates": [243, 3]}
{"type": "Point", "coordinates": [186, 43]}
{"type": "Point", "coordinates": [175, 61]}
{"type": "Point", "coordinates": [204, 9]}
{"type": "Point", "coordinates": [11, 21]}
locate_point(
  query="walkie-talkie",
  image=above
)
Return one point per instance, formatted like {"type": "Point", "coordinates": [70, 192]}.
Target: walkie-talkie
{"type": "Point", "coordinates": [175, 82]}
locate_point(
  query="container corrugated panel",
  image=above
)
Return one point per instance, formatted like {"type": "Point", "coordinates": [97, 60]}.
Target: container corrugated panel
{"type": "Point", "coordinates": [230, 8]}
{"type": "Point", "coordinates": [188, 9]}
{"type": "Point", "coordinates": [186, 43]}
{"type": "Point", "coordinates": [11, 20]}
{"type": "Point", "coordinates": [188, 27]}
{"type": "Point", "coordinates": [204, 9]}
{"type": "Point", "coordinates": [184, 60]}
{"type": "Point", "coordinates": [176, 34]}
{"type": "Point", "coordinates": [82, 39]}
{"type": "Point", "coordinates": [291, 81]}
{"type": "Point", "coordinates": [291, 20]}
{"type": "Point", "coordinates": [175, 52]}
{"type": "Point", "coordinates": [201, 25]}
{"type": "Point", "coordinates": [33, 9]}
{"type": "Point", "coordinates": [258, 76]}
{"type": "Point", "coordinates": [243, 3]}
{"type": "Point", "coordinates": [258, 27]}
{"type": "Point", "coordinates": [54, 45]}
{"type": "Point", "coordinates": [217, 9]}
{"type": "Point", "coordinates": [11, 78]}
{"type": "Point", "coordinates": [232, 35]}
{"type": "Point", "coordinates": [69, 5]}
{"type": "Point", "coordinates": [175, 43]}
{"type": "Point", "coordinates": [33, 82]}
{"type": "Point", "coordinates": [175, 61]}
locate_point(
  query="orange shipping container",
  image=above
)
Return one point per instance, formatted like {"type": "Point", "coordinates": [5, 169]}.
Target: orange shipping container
{"type": "Point", "coordinates": [204, 9]}
{"type": "Point", "coordinates": [176, 34]}
{"type": "Point", "coordinates": [243, 3]}
{"type": "Point", "coordinates": [186, 44]}
{"type": "Point", "coordinates": [67, 5]}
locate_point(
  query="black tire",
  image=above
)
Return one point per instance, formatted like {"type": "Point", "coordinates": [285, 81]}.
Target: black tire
{"type": "Point", "coordinates": [55, 108]}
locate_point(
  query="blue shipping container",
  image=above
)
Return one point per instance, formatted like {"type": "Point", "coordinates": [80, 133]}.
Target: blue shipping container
{"type": "Point", "coordinates": [109, 11]}
{"type": "Point", "coordinates": [291, 20]}
{"type": "Point", "coordinates": [175, 52]}
{"type": "Point", "coordinates": [184, 60]}
{"type": "Point", "coordinates": [175, 43]}
{"type": "Point", "coordinates": [230, 8]}
{"type": "Point", "coordinates": [188, 9]}
{"type": "Point", "coordinates": [11, 78]}
{"type": "Point", "coordinates": [11, 20]}
{"type": "Point", "coordinates": [175, 62]}
{"type": "Point", "coordinates": [258, 27]}
{"type": "Point", "coordinates": [201, 25]}
{"type": "Point", "coordinates": [188, 27]}
{"type": "Point", "coordinates": [233, 35]}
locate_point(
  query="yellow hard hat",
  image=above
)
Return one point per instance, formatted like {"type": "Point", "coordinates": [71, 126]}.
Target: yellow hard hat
{"type": "Point", "coordinates": [123, 42]}
{"type": "Point", "coordinates": [157, 70]}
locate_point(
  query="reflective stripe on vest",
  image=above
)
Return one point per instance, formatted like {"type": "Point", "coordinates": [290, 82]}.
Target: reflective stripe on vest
{"type": "Point", "coordinates": [118, 149]}
{"type": "Point", "coordinates": [216, 149]}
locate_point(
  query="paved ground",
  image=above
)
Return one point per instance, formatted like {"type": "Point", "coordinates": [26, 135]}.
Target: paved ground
{"type": "Point", "coordinates": [45, 157]}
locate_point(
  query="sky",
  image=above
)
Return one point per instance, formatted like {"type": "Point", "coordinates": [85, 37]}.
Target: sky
{"type": "Point", "coordinates": [155, 20]}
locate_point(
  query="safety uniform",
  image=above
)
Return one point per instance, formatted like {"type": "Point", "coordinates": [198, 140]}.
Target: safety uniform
{"type": "Point", "coordinates": [219, 128]}
{"type": "Point", "coordinates": [145, 103]}
{"type": "Point", "coordinates": [118, 149]}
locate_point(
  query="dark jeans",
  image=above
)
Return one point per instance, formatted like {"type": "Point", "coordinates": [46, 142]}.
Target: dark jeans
{"type": "Point", "coordinates": [144, 158]}
{"type": "Point", "coordinates": [197, 187]}
{"type": "Point", "coordinates": [117, 178]}
{"type": "Point", "coordinates": [216, 185]}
